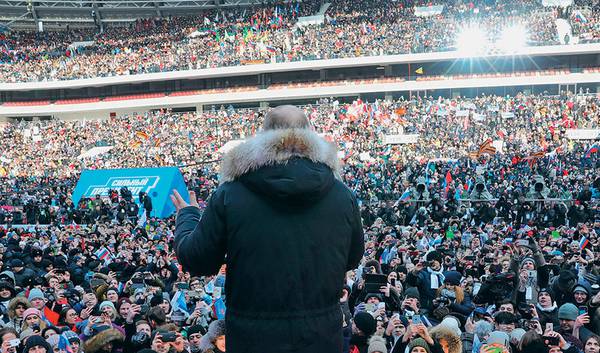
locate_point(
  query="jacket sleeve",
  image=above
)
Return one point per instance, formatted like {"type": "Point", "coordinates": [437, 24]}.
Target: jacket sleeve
{"type": "Point", "coordinates": [357, 245]}
{"type": "Point", "coordinates": [200, 239]}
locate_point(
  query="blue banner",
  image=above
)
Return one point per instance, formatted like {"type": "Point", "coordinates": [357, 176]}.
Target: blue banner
{"type": "Point", "coordinates": [158, 183]}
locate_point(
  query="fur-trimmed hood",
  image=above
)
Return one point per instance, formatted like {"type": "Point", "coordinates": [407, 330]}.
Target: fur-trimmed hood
{"type": "Point", "coordinates": [96, 342]}
{"type": "Point", "coordinates": [447, 334]}
{"type": "Point", "coordinates": [215, 329]}
{"type": "Point", "coordinates": [272, 147]}
{"type": "Point", "coordinates": [12, 305]}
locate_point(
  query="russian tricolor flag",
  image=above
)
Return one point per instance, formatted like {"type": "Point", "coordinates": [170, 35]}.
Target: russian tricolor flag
{"type": "Point", "coordinates": [583, 242]}
{"type": "Point", "coordinates": [593, 149]}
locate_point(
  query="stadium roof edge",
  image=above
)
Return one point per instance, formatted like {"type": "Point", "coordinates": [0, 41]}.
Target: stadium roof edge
{"type": "Point", "coordinates": [292, 66]}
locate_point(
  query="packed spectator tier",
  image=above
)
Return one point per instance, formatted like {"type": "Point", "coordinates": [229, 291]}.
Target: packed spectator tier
{"type": "Point", "coordinates": [266, 34]}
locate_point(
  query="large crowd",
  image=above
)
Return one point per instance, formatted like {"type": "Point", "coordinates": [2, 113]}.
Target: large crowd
{"type": "Point", "coordinates": [462, 254]}
{"type": "Point", "coordinates": [269, 34]}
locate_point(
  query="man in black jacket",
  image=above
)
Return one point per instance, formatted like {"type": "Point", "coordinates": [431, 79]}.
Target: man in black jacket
{"type": "Point", "coordinates": [290, 230]}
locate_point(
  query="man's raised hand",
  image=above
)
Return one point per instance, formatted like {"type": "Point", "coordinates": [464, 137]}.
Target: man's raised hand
{"type": "Point", "coordinates": [180, 203]}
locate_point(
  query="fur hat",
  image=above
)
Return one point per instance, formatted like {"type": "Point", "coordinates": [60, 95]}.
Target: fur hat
{"type": "Point", "coordinates": [99, 340]}
{"type": "Point", "coordinates": [377, 345]}
{"type": "Point", "coordinates": [215, 329]}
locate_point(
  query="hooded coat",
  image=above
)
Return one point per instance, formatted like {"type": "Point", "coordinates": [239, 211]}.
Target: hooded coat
{"type": "Point", "coordinates": [290, 229]}
{"type": "Point", "coordinates": [95, 343]}
{"type": "Point", "coordinates": [453, 341]}
{"type": "Point", "coordinates": [12, 320]}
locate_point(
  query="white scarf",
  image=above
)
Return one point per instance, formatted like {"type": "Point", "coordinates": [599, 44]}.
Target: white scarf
{"type": "Point", "coordinates": [437, 277]}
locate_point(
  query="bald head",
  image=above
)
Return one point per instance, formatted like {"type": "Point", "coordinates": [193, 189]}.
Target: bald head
{"type": "Point", "coordinates": [286, 117]}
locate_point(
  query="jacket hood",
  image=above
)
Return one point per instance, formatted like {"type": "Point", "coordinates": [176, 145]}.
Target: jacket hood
{"type": "Point", "coordinates": [215, 329]}
{"type": "Point", "coordinates": [273, 147]}
{"type": "Point", "coordinates": [95, 343]}
{"type": "Point", "coordinates": [12, 305]}
{"type": "Point", "coordinates": [294, 166]}
{"type": "Point", "coordinates": [445, 333]}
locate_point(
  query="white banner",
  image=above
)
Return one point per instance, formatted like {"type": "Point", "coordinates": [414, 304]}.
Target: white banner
{"type": "Point", "coordinates": [499, 144]}
{"type": "Point", "coordinates": [426, 11]}
{"type": "Point", "coordinates": [401, 139]}
{"type": "Point", "coordinates": [310, 20]}
{"type": "Point", "coordinates": [462, 113]}
{"type": "Point", "coordinates": [583, 134]}
{"type": "Point", "coordinates": [563, 3]}
{"type": "Point", "coordinates": [508, 115]}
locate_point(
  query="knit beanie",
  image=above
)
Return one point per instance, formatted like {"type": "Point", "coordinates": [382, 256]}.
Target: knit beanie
{"type": "Point", "coordinates": [580, 288]}
{"type": "Point", "coordinates": [365, 322]}
{"type": "Point", "coordinates": [419, 342]}
{"type": "Point", "coordinates": [31, 311]}
{"type": "Point", "coordinates": [196, 329]}
{"type": "Point", "coordinates": [527, 259]}
{"type": "Point", "coordinates": [377, 345]}
{"type": "Point", "coordinates": [105, 304]}
{"type": "Point", "coordinates": [71, 336]}
{"type": "Point", "coordinates": [568, 311]}
{"type": "Point", "coordinates": [34, 341]}
{"type": "Point", "coordinates": [35, 293]}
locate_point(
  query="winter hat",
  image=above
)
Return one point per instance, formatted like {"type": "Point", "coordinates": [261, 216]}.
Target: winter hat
{"type": "Point", "coordinates": [53, 340]}
{"type": "Point", "coordinates": [34, 341]}
{"type": "Point", "coordinates": [196, 329]}
{"type": "Point", "coordinates": [104, 334]}
{"type": "Point", "coordinates": [7, 285]}
{"type": "Point", "coordinates": [71, 336]}
{"type": "Point", "coordinates": [105, 304]}
{"type": "Point", "coordinates": [412, 292]}
{"type": "Point", "coordinates": [527, 259]}
{"type": "Point", "coordinates": [35, 293]}
{"type": "Point", "coordinates": [139, 291]}
{"type": "Point", "coordinates": [419, 342]}
{"type": "Point", "coordinates": [452, 278]}
{"type": "Point", "coordinates": [377, 345]}
{"type": "Point", "coordinates": [498, 337]}
{"type": "Point", "coordinates": [548, 291]}
{"type": "Point", "coordinates": [365, 322]}
{"type": "Point", "coordinates": [568, 311]}
{"type": "Point", "coordinates": [580, 288]}
{"type": "Point", "coordinates": [215, 329]}
{"type": "Point", "coordinates": [373, 295]}
{"type": "Point", "coordinates": [451, 323]}
{"type": "Point", "coordinates": [31, 311]}
{"type": "Point", "coordinates": [9, 275]}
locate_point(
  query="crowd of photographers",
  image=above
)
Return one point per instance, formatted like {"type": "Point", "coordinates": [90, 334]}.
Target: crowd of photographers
{"type": "Point", "coordinates": [268, 33]}
{"type": "Point", "coordinates": [466, 251]}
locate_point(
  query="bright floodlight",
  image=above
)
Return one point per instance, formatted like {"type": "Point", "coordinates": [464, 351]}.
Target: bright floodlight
{"type": "Point", "coordinates": [471, 40]}
{"type": "Point", "coordinates": [513, 38]}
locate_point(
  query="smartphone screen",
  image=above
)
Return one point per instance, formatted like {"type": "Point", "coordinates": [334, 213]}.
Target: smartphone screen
{"type": "Point", "coordinates": [583, 310]}
{"type": "Point", "coordinates": [550, 327]}
{"type": "Point", "coordinates": [416, 320]}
